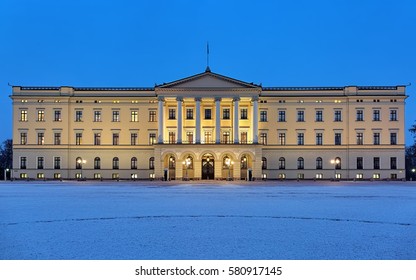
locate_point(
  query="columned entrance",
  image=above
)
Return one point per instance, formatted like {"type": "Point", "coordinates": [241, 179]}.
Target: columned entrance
{"type": "Point", "coordinates": [207, 167]}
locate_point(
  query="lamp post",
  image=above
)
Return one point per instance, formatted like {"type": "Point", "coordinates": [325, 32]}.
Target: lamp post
{"type": "Point", "coordinates": [228, 163]}
{"type": "Point", "coordinates": [335, 162]}
{"type": "Point", "coordinates": [81, 162]}
{"type": "Point", "coordinates": [411, 179]}
{"type": "Point", "coordinates": [5, 173]}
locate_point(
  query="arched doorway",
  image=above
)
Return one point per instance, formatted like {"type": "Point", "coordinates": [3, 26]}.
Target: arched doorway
{"type": "Point", "coordinates": [208, 167]}
{"type": "Point", "coordinates": [244, 166]}
{"type": "Point", "coordinates": [171, 167]}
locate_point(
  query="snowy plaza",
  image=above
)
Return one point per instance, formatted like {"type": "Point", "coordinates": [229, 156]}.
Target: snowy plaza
{"type": "Point", "coordinates": [198, 220]}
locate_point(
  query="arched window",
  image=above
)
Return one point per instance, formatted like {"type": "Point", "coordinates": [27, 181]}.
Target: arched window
{"type": "Point", "coordinates": [152, 163]}
{"type": "Point", "coordinates": [97, 163]}
{"type": "Point", "coordinates": [282, 163]}
{"type": "Point", "coordinates": [337, 163]}
{"type": "Point", "coordinates": [226, 162]}
{"type": "Point", "coordinates": [189, 162]}
{"type": "Point", "coordinates": [301, 163]}
{"type": "Point", "coordinates": [116, 163]}
{"type": "Point", "coordinates": [171, 162]}
{"type": "Point", "coordinates": [318, 163]}
{"type": "Point", "coordinates": [133, 163]}
{"type": "Point", "coordinates": [263, 163]}
{"type": "Point", "coordinates": [244, 162]}
{"type": "Point", "coordinates": [78, 163]}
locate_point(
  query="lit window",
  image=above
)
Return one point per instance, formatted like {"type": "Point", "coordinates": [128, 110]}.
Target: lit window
{"type": "Point", "coordinates": [134, 116]}
{"type": "Point", "coordinates": [23, 115]}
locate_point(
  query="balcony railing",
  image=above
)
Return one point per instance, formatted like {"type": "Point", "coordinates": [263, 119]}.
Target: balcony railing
{"type": "Point", "coordinates": [184, 142]}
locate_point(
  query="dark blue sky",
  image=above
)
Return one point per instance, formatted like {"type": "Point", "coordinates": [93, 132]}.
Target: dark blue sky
{"type": "Point", "coordinates": [140, 43]}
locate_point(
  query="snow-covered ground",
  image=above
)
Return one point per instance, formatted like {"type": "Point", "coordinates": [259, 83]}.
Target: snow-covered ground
{"type": "Point", "coordinates": [164, 220]}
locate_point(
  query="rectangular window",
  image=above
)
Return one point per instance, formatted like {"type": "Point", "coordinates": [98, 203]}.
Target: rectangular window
{"type": "Point", "coordinates": [243, 137]}
{"type": "Point", "coordinates": [97, 116]}
{"type": "Point", "coordinates": [97, 139]}
{"type": "Point", "coordinates": [376, 115]}
{"type": "Point", "coordinates": [360, 115]}
{"type": "Point", "coordinates": [393, 138]}
{"type": "Point", "coordinates": [41, 115]}
{"type": "Point", "coordinates": [359, 176]}
{"type": "Point", "coordinates": [172, 114]}
{"type": "Point", "coordinates": [318, 116]}
{"type": "Point", "coordinates": [41, 138]}
{"type": "Point", "coordinates": [208, 137]}
{"type": "Point", "coordinates": [40, 176]}
{"type": "Point", "coordinates": [134, 116]}
{"type": "Point", "coordinates": [301, 138]}
{"type": "Point", "coordinates": [152, 138]}
{"type": "Point", "coordinates": [243, 114]}
{"type": "Point", "coordinates": [319, 138]}
{"type": "Point", "coordinates": [152, 116]}
{"type": "Point", "coordinates": [338, 139]}
{"type": "Point", "coordinates": [23, 163]}
{"type": "Point", "coordinates": [226, 114]}
{"type": "Point", "coordinates": [338, 116]}
{"type": "Point", "coordinates": [208, 114]}
{"type": "Point", "coordinates": [282, 116]}
{"type": "Point", "coordinates": [376, 176]}
{"type": "Point", "coordinates": [393, 163]}
{"type": "Point", "coordinates": [23, 115]}
{"type": "Point", "coordinates": [263, 138]}
{"type": "Point", "coordinates": [40, 162]}
{"type": "Point", "coordinates": [393, 115]}
{"type": "Point", "coordinates": [360, 138]}
{"type": "Point", "coordinates": [190, 137]}
{"type": "Point", "coordinates": [376, 138]}
{"type": "Point", "coordinates": [282, 139]}
{"type": "Point", "coordinates": [57, 138]}
{"type": "Point", "coordinates": [376, 163]}
{"type": "Point", "coordinates": [263, 116]}
{"type": "Point", "coordinates": [23, 176]}
{"type": "Point", "coordinates": [78, 116]}
{"type": "Point", "coordinates": [189, 114]}
{"type": "Point", "coordinates": [116, 116]}
{"type": "Point", "coordinates": [359, 163]}
{"type": "Point", "coordinates": [78, 138]}
{"type": "Point", "coordinates": [57, 175]}
{"type": "Point", "coordinates": [226, 137]}
{"type": "Point", "coordinates": [133, 139]}
{"type": "Point", "coordinates": [23, 138]}
{"type": "Point", "coordinates": [116, 139]}
{"type": "Point", "coordinates": [172, 137]}
{"type": "Point", "coordinates": [301, 116]}
{"type": "Point", "coordinates": [57, 116]}
{"type": "Point", "coordinates": [57, 163]}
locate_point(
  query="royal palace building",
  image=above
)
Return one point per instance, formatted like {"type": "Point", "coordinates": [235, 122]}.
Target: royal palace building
{"type": "Point", "coordinates": [208, 126]}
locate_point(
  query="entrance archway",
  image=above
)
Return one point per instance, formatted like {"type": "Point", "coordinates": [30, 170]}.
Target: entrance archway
{"type": "Point", "coordinates": [208, 164]}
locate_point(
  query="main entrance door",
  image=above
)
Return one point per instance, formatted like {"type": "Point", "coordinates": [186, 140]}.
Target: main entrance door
{"type": "Point", "coordinates": [208, 167]}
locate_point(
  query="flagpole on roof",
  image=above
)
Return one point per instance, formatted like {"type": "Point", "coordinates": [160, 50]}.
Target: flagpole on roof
{"type": "Point", "coordinates": [207, 69]}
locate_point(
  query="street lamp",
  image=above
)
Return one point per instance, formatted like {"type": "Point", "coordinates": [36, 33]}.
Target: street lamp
{"type": "Point", "coordinates": [335, 162]}
{"type": "Point", "coordinates": [81, 162]}
{"type": "Point", "coordinates": [411, 179]}
{"type": "Point", "coordinates": [187, 163]}
{"type": "Point", "coordinates": [228, 163]}
{"type": "Point", "coordinates": [5, 173]}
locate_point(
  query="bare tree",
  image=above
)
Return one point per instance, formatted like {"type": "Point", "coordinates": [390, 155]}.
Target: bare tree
{"type": "Point", "coordinates": [6, 156]}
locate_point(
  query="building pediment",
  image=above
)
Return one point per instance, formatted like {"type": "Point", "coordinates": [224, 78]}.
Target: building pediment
{"type": "Point", "coordinates": [208, 80]}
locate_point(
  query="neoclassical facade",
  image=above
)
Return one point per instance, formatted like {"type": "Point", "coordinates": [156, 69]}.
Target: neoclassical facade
{"type": "Point", "coordinates": [209, 126]}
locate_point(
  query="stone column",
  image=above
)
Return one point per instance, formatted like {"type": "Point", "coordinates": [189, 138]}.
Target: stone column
{"type": "Point", "coordinates": [217, 120]}
{"type": "Point", "coordinates": [179, 124]}
{"type": "Point", "coordinates": [236, 123]}
{"type": "Point", "coordinates": [198, 120]}
{"type": "Point", "coordinates": [161, 119]}
{"type": "Point", "coordinates": [255, 120]}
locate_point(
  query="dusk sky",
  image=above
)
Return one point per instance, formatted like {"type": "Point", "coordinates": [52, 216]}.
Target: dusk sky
{"type": "Point", "coordinates": [139, 43]}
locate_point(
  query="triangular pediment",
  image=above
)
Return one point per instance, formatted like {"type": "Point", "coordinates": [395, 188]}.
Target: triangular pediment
{"type": "Point", "coordinates": [208, 80]}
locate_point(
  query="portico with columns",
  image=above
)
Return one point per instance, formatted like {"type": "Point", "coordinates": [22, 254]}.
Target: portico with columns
{"type": "Point", "coordinates": [209, 112]}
